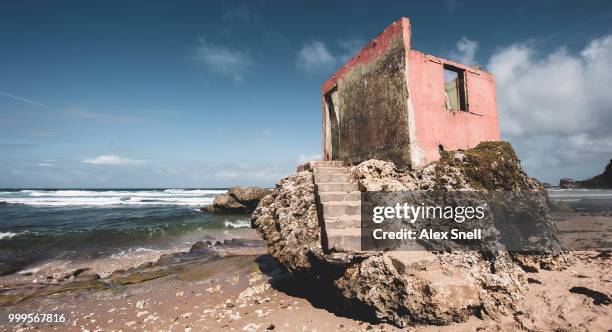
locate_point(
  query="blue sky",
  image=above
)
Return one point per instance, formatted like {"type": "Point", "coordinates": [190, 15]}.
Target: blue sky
{"type": "Point", "coordinates": [213, 94]}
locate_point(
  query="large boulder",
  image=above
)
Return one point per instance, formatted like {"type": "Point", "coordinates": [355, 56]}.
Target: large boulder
{"type": "Point", "coordinates": [237, 200]}
{"type": "Point", "coordinates": [408, 287]}
{"type": "Point", "coordinates": [227, 203]}
{"type": "Point", "coordinates": [567, 183]}
{"type": "Point", "coordinates": [287, 220]}
{"type": "Point", "coordinates": [248, 196]}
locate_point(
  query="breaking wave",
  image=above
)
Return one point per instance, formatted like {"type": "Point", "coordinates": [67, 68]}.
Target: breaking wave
{"type": "Point", "coordinates": [186, 197]}
{"type": "Point", "coordinates": [241, 223]}
{"type": "Point", "coordinates": [7, 235]}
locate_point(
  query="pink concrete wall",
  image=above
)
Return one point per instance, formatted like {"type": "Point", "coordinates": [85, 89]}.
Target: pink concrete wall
{"type": "Point", "coordinates": [431, 124]}
{"type": "Point", "coordinates": [434, 125]}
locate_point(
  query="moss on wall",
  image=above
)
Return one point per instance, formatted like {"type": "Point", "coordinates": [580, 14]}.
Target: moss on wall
{"type": "Point", "coordinates": [372, 109]}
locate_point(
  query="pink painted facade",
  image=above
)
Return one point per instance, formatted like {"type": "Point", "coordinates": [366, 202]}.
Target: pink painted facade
{"type": "Point", "coordinates": [401, 92]}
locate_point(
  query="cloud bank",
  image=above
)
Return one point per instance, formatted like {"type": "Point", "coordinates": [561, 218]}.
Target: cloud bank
{"type": "Point", "coordinates": [113, 161]}
{"type": "Point", "coordinates": [556, 109]}
{"type": "Point", "coordinates": [465, 52]}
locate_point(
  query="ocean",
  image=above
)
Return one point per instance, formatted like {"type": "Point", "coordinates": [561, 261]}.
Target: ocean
{"type": "Point", "coordinates": [38, 225]}
{"type": "Point", "coordinates": [583, 200]}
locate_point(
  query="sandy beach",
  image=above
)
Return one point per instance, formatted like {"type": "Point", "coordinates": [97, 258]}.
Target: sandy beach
{"type": "Point", "coordinates": [241, 288]}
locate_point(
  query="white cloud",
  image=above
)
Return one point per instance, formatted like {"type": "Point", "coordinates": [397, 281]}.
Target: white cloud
{"type": "Point", "coordinates": [112, 160]}
{"type": "Point", "coordinates": [45, 165]}
{"type": "Point", "coordinates": [465, 52]}
{"type": "Point", "coordinates": [556, 108]}
{"type": "Point", "coordinates": [315, 57]}
{"type": "Point", "coordinates": [225, 61]}
{"type": "Point", "coordinates": [25, 100]}
{"type": "Point", "coordinates": [351, 47]}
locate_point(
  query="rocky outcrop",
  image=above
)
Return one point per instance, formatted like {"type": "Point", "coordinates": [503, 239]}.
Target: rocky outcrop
{"type": "Point", "coordinates": [407, 287]}
{"type": "Point", "coordinates": [224, 256]}
{"type": "Point", "coordinates": [603, 180]}
{"type": "Point", "coordinates": [568, 183]}
{"type": "Point", "coordinates": [287, 220]}
{"type": "Point", "coordinates": [237, 200]}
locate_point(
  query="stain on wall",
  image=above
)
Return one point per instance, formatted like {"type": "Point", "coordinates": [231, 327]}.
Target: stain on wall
{"type": "Point", "coordinates": [372, 108]}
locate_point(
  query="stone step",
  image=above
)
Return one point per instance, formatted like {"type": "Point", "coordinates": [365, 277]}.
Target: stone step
{"type": "Point", "coordinates": [344, 239]}
{"type": "Point", "coordinates": [331, 170]}
{"type": "Point", "coordinates": [337, 186]}
{"type": "Point", "coordinates": [339, 196]}
{"type": "Point", "coordinates": [319, 163]}
{"type": "Point", "coordinates": [338, 209]}
{"type": "Point", "coordinates": [352, 221]}
{"type": "Point", "coordinates": [325, 163]}
{"type": "Point", "coordinates": [330, 177]}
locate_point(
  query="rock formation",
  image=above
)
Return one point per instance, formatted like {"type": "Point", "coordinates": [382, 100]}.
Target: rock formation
{"type": "Point", "coordinates": [603, 180]}
{"type": "Point", "coordinates": [568, 183]}
{"type": "Point", "coordinates": [241, 200]}
{"type": "Point", "coordinates": [408, 287]}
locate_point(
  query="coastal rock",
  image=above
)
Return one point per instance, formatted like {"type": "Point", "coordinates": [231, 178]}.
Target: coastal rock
{"type": "Point", "coordinates": [227, 203]}
{"type": "Point", "coordinates": [567, 183]}
{"type": "Point", "coordinates": [603, 180]}
{"type": "Point", "coordinates": [203, 261]}
{"type": "Point", "coordinates": [408, 287]}
{"type": "Point", "coordinates": [249, 196]}
{"type": "Point", "coordinates": [287, 220]}
{"type": "Point", "coordinates": [87, 276]}
{"type": "Point", "coordinates": [10, 267]}
{"type": "Point", "coordinates": [239, 200]}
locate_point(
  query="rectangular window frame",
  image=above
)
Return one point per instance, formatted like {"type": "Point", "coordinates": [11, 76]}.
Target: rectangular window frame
{"type": "Point", "coordinates": [461, 76]}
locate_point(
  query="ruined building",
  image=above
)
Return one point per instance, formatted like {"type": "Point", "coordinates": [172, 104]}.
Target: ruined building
{"type": "Point", "coordinates": [393, 103]}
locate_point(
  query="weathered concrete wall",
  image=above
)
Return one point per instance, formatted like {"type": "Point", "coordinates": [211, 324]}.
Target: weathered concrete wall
{"type": "Point", "coordinates": [372, 101]}
{"type": "Point", "coordinates": [390, 103]}
{"type": "Point", "coordinates": [434, 125]}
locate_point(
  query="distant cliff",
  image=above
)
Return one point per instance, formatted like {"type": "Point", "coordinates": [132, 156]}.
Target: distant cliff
{"type": "Point", "coordinates": [603, 180]}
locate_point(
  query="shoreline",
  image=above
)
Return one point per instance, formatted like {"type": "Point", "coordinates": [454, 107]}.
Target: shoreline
{"type": "Point", "coordinates": [236, 285]}
{"type": "Point", "coordinates": [54, 268]}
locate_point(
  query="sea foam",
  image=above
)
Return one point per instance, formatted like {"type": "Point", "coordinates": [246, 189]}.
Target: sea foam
{"type": "Point", "coordinates": [7, 235]}
{"type": "Point", "coordinates": [185, 197]}
{"type": "Point", "coordinates": [242, 223]}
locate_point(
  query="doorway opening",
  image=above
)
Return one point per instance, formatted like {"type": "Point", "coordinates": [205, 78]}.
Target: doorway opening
{"type": "Point", "coordinates": [331, 99]}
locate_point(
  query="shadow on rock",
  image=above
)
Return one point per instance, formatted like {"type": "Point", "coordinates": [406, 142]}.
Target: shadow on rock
{"type": "Point", "coordinates": [320, 295]}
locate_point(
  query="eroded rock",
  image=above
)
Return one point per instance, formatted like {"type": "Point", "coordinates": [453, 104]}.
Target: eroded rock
{"type": "Point", "coordinates": [410, 287]}
{"type": "Point", "coordinates": [239, 200]}
{"type": "Point", "coordinates": [287, 220]}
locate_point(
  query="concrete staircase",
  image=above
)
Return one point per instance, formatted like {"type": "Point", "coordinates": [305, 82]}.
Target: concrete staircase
{"type": "Point", "coordinates": [339, 205]}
